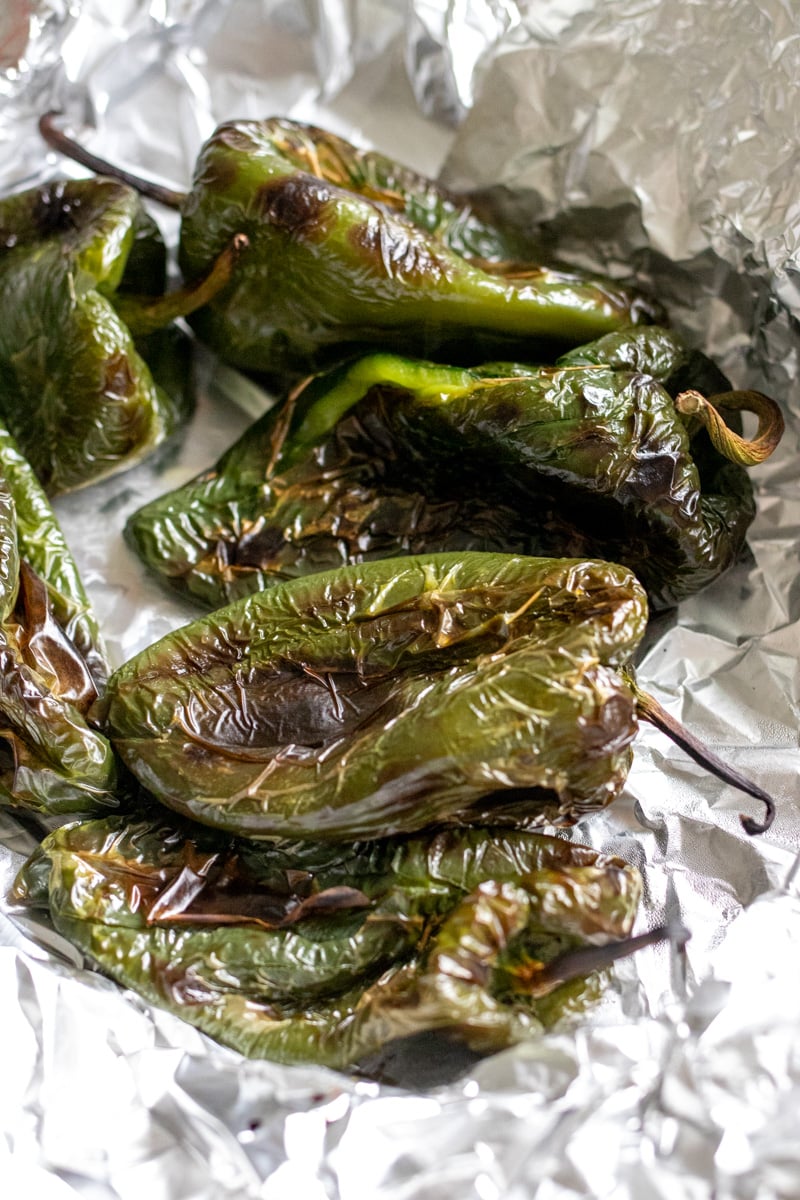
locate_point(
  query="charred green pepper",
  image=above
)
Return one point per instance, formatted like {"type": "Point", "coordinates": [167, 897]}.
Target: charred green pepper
{"type": "Point", "coordinates": [389, 456]}
{"type": "Point", "coordinates": [89, 380]}
{"type": "Point", "coordinates": [51, 661]}
{"type": "Point", "coordinates": [302, 953]}
{"type": "Point", "coordinates": [349, 250]}
{"type": "Point", "coordinates": [388, 696]}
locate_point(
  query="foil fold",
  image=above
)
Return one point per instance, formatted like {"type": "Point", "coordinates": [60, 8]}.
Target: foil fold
{"type": "Point", "coordinates": [654, 139]}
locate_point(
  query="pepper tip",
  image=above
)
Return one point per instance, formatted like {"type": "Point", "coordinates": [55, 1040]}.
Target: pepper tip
{"type": "Point", "coordinates": [752, 827]}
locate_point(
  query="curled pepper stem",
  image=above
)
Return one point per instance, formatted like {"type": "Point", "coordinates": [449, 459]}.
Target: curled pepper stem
{"type": "Point", "coordinates": [143, 314]}
{"type": "Point", "coordinates": [650, 710]}
{"type": "Point", "coordinates": [738, 449]}
{"type": "Point", "coordinates": [60, 141]}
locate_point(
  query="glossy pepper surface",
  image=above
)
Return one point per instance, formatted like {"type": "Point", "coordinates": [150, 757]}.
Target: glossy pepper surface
{"type": "Point", "coordinates": [350, 250]}
{"type": "Point", "coordinates": [51, 660]}
{"type": "Point", "coordinates": [387, 696]}
{"type": "Point", "coordinates": [43, 547]}
{"type": "Point", "coordinates": [75, 387]}
{"type": "Point", "coordinates": [307, 953]}
{"type": "Point", "coordinates": [388, 456]}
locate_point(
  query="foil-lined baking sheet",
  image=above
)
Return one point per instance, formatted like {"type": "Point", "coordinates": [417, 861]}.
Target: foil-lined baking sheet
{"type": "Point", "coordinates": [659, 139]}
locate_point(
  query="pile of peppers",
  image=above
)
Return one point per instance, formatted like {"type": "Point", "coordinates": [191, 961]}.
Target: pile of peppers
{"type": "Point", "coordinates": [312, 820]}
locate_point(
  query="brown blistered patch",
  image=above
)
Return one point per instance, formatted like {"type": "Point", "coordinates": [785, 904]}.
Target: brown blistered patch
{"type": "Point", "coordinates": [46, 647]}
{"type": "Point", "coordinates": [118, 381]}
{"type": "Point", "coordinates": [257, 545]}
{"type": "Point", "coordinates": [181, 984]}
{"type": "Point", "coordinates": [394, 251]}
{"type": "Point", "coordinates": [611, 728]}
{"type": "Point", "coordinates": [654, 478]}
{"type": "Point", "coordinates": [296, 205]}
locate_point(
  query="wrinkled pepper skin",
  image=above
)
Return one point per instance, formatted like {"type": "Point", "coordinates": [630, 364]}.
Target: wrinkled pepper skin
{"type": "Point", "coordinates": [74, 388]}
{"type": "Point", "coordinates": [387, 696]}
{"type": "Point", "coordinates": [308, 954]}
{"type": "Point", "coordinates": [388, 456]}
{"type": "Point", "coordinates": [41, 544]}
{"type": "Point", "coordinates": [51, 760]}
{"type": "Point", "coordinates": [651, 350]}
{"type": "Point", "coordinates": [348, 251]}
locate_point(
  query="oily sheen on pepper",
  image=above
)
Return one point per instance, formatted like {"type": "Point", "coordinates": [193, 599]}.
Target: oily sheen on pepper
{"type": "Point", "coordinates": [340, 955]}
{"type": "Point", "coordinates": [388, 456]}
{"type": "Point", "coordinates": [387, 696]}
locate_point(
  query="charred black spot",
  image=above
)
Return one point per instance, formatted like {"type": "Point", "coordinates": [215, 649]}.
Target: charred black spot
{"type": "Point", "coordinates": [505, 413]}
{"type": "Point", "coordinates": [420, 1060]}
{"type": "Point", "coordinates": [257, 546]}
{"type": "Point", "coordinates": [295, 205]}
{"type": "Point", "coordinates": [54, 211]}
{"type": "Point", "coordinates": [511, 805]}
{"type": "Point", "coordinates": [654, 477]}
{"type": "Point", "coordinates": [288, 704]}
{"type": "Point", "coordinates": [8, 757]}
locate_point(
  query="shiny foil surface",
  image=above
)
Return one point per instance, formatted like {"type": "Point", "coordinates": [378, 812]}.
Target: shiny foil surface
{"type": "Point", "coordinates": [655, 139]}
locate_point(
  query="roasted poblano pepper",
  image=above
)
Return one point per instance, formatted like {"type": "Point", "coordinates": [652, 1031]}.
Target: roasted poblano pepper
{"type": "Point", "coordinates": [51, 660]}
{"type": "Point", "coordinates": [388, 696]}
{"type": "Point", "coordinates": [305, 953]}
{"type": "Point", "coordinates": [350, 250]}
{"type": "Point", "coordinates": [388, 456]}
{"type": "Point", "coordinates": [89, 380]}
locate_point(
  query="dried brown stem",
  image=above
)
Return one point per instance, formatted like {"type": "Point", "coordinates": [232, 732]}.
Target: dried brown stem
{"type": "Point", "coordinates": [577, 963]}
{"type": "Point", "coordinates": [60, 141]}
{"type": "Point", "coordinates": [650, 710]}
{"type": "Point", "coordinates": [730, 444]}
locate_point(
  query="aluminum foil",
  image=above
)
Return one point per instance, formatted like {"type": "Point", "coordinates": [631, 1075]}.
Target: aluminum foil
{"type": "Point", "coordinates": [658, 138]}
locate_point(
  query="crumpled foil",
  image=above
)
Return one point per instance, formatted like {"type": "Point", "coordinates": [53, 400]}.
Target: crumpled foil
{"type": "Point", "coordinates": [651, 138]}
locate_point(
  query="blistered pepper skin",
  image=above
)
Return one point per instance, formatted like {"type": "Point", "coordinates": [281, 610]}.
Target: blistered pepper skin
{"type": "Point", "coordinates": [74, 388]}
{"type": "Point", "coordinates": [273, 953]}
{"type": "Point", "coordinates": [386, 696]}
{"type": "Point", "coordinates": [43, 547]}
{"type": "Point", "coordinates": [52, 761]}
{"type": "Point", "coordinates": [390, 456]}
{"type": "Point", "coordinates": [349, 250]}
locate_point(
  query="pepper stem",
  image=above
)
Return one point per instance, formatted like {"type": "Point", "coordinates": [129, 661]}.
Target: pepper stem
{"type": "Point", "coordinates": [730, 444]}
{"type": "Point", "coordinates": [575, 964]}
{"type": "Point", "coordinates": [58, 140]}
{"type": "Point", "coordinates": [143, 314]}
{"type": "Point", "coordinates": [650, 710]}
